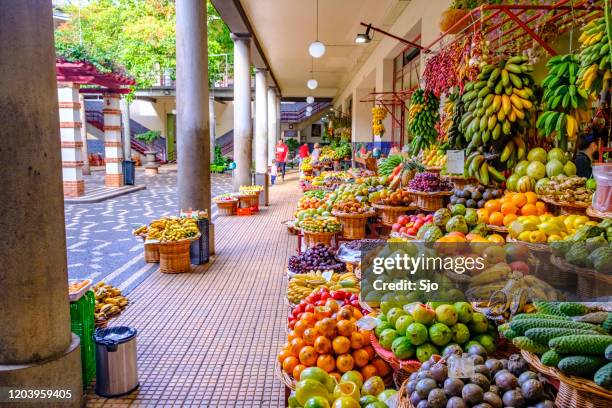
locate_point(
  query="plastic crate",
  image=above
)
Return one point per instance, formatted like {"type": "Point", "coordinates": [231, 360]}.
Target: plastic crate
{"type": "Point", "coordinates": [244, 211]}
{"type": "Point", "coordinates": [82, 324]}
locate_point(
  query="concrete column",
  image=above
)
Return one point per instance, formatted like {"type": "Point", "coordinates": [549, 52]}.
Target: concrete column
{"type": "Point", "coordinates": [243, 130]}
{"type": "Point", "coordinates": [361, 117]}
{"type": "Point", "coordinates": [126, 130]}
{"type": "Point", "coordinates": [278, 117]}
{"type": "Point", "coordinates": [261, 121]}
{"type": "Point", "coordinates": [272, 124]}
{"type": "Point", "coordinates": [212, 118]}
{"type": "Point", "coordinates": [72, 143]}
{"type": "Point", "coordinates": [113, 147]}
{"type": "Point", "coordinates": [37, 350]}
{"type": "Point", "coordinates": [192, 127]}
{"type": "Point", "coordinates": [85, 150]}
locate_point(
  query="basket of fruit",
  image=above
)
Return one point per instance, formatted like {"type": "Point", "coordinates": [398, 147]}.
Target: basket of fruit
{"type": "Point", "coordinates": [303, 284]}
{"type": "Point", "coordinates": [390, 213]}
{"type": "Point", "coordinates": [500, 229]}
{"type": "Point", "coordinates": [226, 204]}
{"type": "Point", "coordinates": [353, 215]}
{"type": "Point", "coordinates": [461, 182]}
{"type": "Point", "coordinates": [571, 195]}
{"type": "Point", "coordinates": [173, 237]}
{"type": "Point", "coordinates": [538, 247]}
{"type": "Point", "coordinates": [430, 190]}
{"type": "Point", "coordinates": [565, 207]}
{"type": "Point", "coordinates": [319, 229]}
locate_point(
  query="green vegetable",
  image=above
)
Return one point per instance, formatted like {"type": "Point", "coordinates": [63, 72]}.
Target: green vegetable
{"type": "Point", "coordinates": [601, 259]}
{"type": "Point", "coordinates": [544, 335]}
{"type": "Point", "coordinates": [573, 308]}
{"type": "Point", "coordinates": [603, 376]}
{"type": "Point", "coordinates": [578, 255]}
{"type": "Point", "coordinates": [551, 358]}
{"type": "Point", "coordinates": [547, 308]}
{"type": "Point", "coordinates": [607, 325]}
{"type": "Point", "coordinates": [582, 366]}
{"type": "Point", "coordinates": [585, 232]}
{"type": "Point", "coordinates": [510, 334]}
{"type": "Point", "coordinates": [525, 343]}
{"type": "Point", "coordinates": [581, 344]}
{"type": "Point", "coordinates": [559, 248]}
{"type": "Point", "coordinates": [608, 353]}
{"type": "Point", "coordinates": [522, 325]}
{"type": "Point", "coordinates": [539, 316]}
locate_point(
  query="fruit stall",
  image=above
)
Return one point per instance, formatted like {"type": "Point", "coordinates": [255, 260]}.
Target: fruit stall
{"type": "Point", "coordinates": [490, 170]}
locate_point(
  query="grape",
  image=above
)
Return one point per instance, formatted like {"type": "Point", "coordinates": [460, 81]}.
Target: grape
{"type": "Point", "coordinates": [315, 258]}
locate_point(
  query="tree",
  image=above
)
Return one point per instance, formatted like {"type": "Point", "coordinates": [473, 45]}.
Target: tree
{"type": "Point", "coordinates": [136, 35]}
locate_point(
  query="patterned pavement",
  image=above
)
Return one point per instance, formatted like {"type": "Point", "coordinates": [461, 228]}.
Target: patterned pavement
{"type": "Point", "coordinates": [99, 236]}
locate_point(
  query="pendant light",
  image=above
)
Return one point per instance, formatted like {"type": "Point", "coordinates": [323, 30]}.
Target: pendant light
{"type": "Point", "coordinates": [312, 84]}
{"type": "Point", "coordinates": [309, 109]}
{"type": "Point", "coordinates": [310, 99]}
{"type": "Point", "coordinates": [317, 48]}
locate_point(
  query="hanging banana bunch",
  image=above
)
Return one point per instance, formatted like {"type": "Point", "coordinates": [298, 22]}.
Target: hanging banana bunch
{"type": "Point", "coordinates": [594, 74]}
{"type": "Point", "coordinates": [422, 118]}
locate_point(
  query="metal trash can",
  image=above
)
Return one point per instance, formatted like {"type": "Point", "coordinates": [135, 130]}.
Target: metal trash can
{"type": "Point", "coordinates": [116, 371]}
{"type": "Point", "coordinates": [199, 251]}
{"type": "Point", "coordinates": [129, 172]}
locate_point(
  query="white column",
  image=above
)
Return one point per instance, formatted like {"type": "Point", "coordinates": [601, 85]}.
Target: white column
{"type": "Point", "coordinates": [212, 119]}
{"type": "Point", "coordinates": [243, 130]}
{"type": "Point", "coordinates": [272, 124]}
{"type": "Point", "coordinates": [72, 143]}
{"type": "Point", "coordinates": [278, 117]}
{"type": "Point", "coordinates": [126, 129]}
{"type": "Point", "coordinates": [84, 150]}
{"type": "Point", "coordinates": [261, 121]}
{"type": "Point", "coordinates": [113, 150]}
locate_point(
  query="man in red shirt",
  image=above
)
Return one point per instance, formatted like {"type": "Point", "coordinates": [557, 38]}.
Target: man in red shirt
{"type": "Point", "coordinates": [281, 156]}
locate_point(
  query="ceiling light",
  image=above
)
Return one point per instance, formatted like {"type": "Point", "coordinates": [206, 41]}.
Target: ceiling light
{"type": "Point", "coordinates": [316, 49]}
{"type": "Point", "coordinates": [310, 99]}
{"type": "Point", "coordinates": [307, 113]}
{"type": "Point", "coordinates": [312, 84]}
{"type": "Point", "coordinates": [309, 109]}
{"type": "Point", "coordinates": [364, 37]}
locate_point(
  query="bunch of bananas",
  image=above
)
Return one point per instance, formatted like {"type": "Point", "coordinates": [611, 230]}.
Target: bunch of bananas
{"type": "Point", "coordinates": [250, 189]}
{"type": "Point", "coordinates": [378, 115]}
{"type": "Point", "coordinates": [302, 285]}
{"type": "Point", "coordinates": [172, 229]}
{"type": "Point", "coordinates": [109, 303]}
{"type": "Point", "coordinates": [455, 136]}
{"type": "Point", "coordinates": [595, 57]}
{"type": "Point", "coordinates": [422, 118]}
{"type": "Point", "coordinates": [447, 118]}
{"type": "Point", "coordinates": [567, 104]}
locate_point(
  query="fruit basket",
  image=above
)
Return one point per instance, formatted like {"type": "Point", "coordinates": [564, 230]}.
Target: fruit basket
{"type": "Point", "coordinates": [573, 391]}
{"type": "Point", "coordinates": [312, 238]}
{"type": "Point", "coordinates": [151, 252]}
{"type": "Point", "coordinates": [402, 368]}
{"type": "Point", "coordinates": [227, 207]}
{"type": "Point", "coordinates": [389, 213]}
{"type": "Point", "coordinates": [174, 255]}
{"type": "Point", "coordinates": [430, 201]}
{"type": "Point", "coordinates": [353, 225]}
{"type": "Point", "coordinates": [565, 208]}
{"type": "Point", "coordinates": [497, 228]}
{"type": "Point", "coordinates": [434, 169]}
{"type": "Point", "coordinates": [530, 245]}
{"type": "Point", "coordinates": [462, 181]}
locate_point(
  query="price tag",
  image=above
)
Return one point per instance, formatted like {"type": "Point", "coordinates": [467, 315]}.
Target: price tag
{"type": "Point", "coordinates": [459, 367]}
{"type": "Point", "coordinates": [455, 160]}
{"type": "Point", "coordinates": [367, 323]}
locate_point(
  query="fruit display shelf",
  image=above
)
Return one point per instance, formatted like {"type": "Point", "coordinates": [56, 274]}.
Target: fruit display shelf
{"type": "Point", "coordinates": [389, 213]}
{"type": "Point", "coordinates": [565, 208]}
{"type": "Point", "coordinates": [353, 225]}
{"type": "Point", "coordinates": [430, 201]}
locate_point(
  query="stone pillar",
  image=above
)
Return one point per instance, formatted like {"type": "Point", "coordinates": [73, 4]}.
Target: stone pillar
{"type": "Point", "coordinates": [126, 129]}
{"type": "Point", "coordinates": [192, 127]}
{"type": "Point", "coordinates": [212, 118]}
{"type": "Point", "coordinates": [85, 150]}
{"type": "Point", "coordinates": [243, 130]}
{"type": "Point", "coordinates": [261, 134]}
{"type": "Point", "coordinates": [278, 118]}
{"type": "Point", "coordinates": [113, 150]}
{"type": "Point", "coordinates": [72, 143]}
{"type": "Point", "coordinates": [272, 124]}
{"type": "Point", "coordinates": [37, 350]}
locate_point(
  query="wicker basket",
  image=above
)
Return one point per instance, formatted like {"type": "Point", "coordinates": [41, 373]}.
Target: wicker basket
{"type": "Point", "coordinates": [353, 225]}
{"type": "Point", "coordinates": [288, 381]}
{"type": "Point", "coordinates": [565, 208]}
{"type": "Point", "coordinates": [247, 200]}
{"type": "Point", "coordinates": [574, 392]}
{"type": "Point", "coordinates": [390, 213]}
{"type": "Point", "coordinates": [460, 181]}
{"type": "Point", "coordinates": [174, 256]}
{"type": "Point", "coordinates": [433, 169]}
{"type": "Point", "coordinates": [313, 238]}
{"type": "Point", "coordinates": [227, 207]}
{"type": "Point", "coordinates": [450, 18]}
{"type": "Point", "coordinates": [533, 247]}
{"type": "Point", "coordinates": [564, 274]}
{"type": "Point", "coordinates": [430, 201]}
{"type": "Point", "coordinates": [151, 253]}
{"type": "Point", "coordinates": [497, 228]}
{"type": "Point", "coordinates": [402, 368]}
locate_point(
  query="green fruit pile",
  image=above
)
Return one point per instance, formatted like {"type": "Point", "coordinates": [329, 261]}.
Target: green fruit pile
{"type": "Point", "coordinates": [423, 115]}
{"type": "Point", "coordinates": [419, 331]}
{"type": "Point", "coordinates": [455, 135]}
{"type": "Point", "coordinates": [319, 223]}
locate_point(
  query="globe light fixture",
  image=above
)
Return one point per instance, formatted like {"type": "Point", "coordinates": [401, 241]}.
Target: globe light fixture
{"type": "Point", "coordinates": [312, 84]}
{"type": "Point", "coordinates": [309, 109]}
{"type": "Point", "coordinates": [316, 49]}
{"type": "Point", "coordinates": [308, 113]}
{"type": "Point", "coordinates": [310, 99]}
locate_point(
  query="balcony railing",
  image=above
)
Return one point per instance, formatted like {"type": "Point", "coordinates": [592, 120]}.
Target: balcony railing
{"type": "Point", "coordinates": [295, 113]}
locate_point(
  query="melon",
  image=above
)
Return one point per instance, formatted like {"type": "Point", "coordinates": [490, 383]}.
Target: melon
{"type": "Point", "coordinates": [541, 185]}
{"type": "Point", "coordinates": [537, 154]}
{"type": "Point", "coordinates": [524, 184]}
{"type": "Point", "coordinates": [521, 168]}
{"type": "Point", "coordinates": [558, 154]}
{"type": "Point", "coordinates": [554, 167]}
{"type": "Point", "coordinates": [569, 169]}
{"type": "Point", "coordinates": [536, 169]}
{"type": "Point", "coordinates": [511, 182]}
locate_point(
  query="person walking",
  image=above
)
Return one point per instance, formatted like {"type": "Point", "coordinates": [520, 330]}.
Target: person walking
{"type": "Point", "coordinates": [282, 151]}
{"type": "Point", "coordinates": [273, 172]}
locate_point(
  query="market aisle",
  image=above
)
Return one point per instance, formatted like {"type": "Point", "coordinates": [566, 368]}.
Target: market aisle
{"type": "Point", "coordinates": [210, 338]}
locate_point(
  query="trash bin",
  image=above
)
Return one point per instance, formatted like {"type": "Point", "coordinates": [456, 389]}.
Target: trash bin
{"type": "Point", "coordinates": [199, 251]}
{"type": "Point", "coordinates": [129, 172]}
{"type": "Point", "coordinates": [116, 371]}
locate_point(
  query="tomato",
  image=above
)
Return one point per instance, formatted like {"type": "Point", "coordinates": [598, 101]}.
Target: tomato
{"type": "Point", "coordinates": [292, 323]}
{"type": "Point", "coordinates": [325, 296]}
{"type": "Point", "coordinates": [411, 231]}
{"type": "Point", "coordinates": [338, 295]}
{"type": "Point", "coordinates": [298, 309]}
{"type": "Point", "coordinates": [396, 227]}
{"type": "Point", "coordinates": [321, 303]}
{"type": "Point", "coordinates": [309, 308]}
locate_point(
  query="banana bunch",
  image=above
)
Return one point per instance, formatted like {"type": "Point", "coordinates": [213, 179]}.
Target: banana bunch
{"type": "Point", "coordinates": [455, 136]}
{"type": "Point", "coordinates": [172, 229]}
{"type": "Point", "coordinates": [303, 284]}
{"type": "Point", "coordinates": [567, 105]}
{"type": "Point", "coordinates": [109, 303]}
{"type": "Point", "coordinates": [446, 121]}
{"type": "Point", "coordinates": [594, 73]}
{"type": "Point", "coordinates": [422, 118]}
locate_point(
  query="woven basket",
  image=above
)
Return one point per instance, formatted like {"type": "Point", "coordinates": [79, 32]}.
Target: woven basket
{"type": "Point", "coordinates": [460, 181]}
{"type": "Point", "coordinates": [353, 225]}
{"type": "Point", "coordinates": [565, 208]}
{"type": "Point", "coordinates": [390, 213]}
{"type": "Point", "coordinates": [247, 200]}
{"type": "Point", "coordinates": [313, 238]}
{"type": "Point", "coordinates": [403, 399]}
{"type": "Point", "coordinates": [564, 274]}
{"type": "Point", "coordinates": [402, 368]}
{"type": "Point", "coordinates": [450, 18]}
{"type": "Point", "coordinates": [227, 207]}
{"type": "Point", "coordinates": [497, 228]}
{"type": "Point", "coordinates": [174, 256]}
{"type": "Point", "coordinates": [533, 247]}
{"type": "Point", "coordinates": [434, 169]}
{"type": "Point", "coordinates": [430, 201]}
{"type": "Point", "coordinates": [151, 253]}
{"type": "Point", "coordinates": [288, 381]}
{"type": "Point", "coordinates": [574, 392]}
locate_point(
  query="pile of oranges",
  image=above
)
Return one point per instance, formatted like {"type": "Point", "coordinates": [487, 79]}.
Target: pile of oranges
{"type": "Point", "coordinates": [502, 211]}
{"type": "Point", "coordinates": [329, 338]}
{"type": "Point", "coordinates": [306, 203]}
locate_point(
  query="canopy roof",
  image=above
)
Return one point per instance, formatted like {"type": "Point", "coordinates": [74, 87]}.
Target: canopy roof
{"type": "Point", "coordinates": [85, 73]}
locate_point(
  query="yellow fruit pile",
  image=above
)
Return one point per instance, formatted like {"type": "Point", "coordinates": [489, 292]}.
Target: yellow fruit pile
{"type": "Point", "coordinates": [302, 285]}
{"type": "Point", "coordinates": [109, 303]}
{"type": "Point", "coordinates": [546, 228]}
{"type": "Point", "coordinates": [172, 229]}
{"type": "Point", "coordinates": [250, 189]}
{"type": "Point", "coordinates": [378, 115]}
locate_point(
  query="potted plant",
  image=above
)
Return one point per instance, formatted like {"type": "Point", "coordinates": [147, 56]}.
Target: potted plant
{"type": "Point", "coordinates": [452, 15]}
{"type": "Point", "coordinates": [148, 138]}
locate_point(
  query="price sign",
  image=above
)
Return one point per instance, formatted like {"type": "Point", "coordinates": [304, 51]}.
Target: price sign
{"type": "Point", "coordinates": [455, 160]}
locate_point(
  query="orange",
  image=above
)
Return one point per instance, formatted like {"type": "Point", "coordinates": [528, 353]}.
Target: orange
{"type": "Point", "coordinates": [368, 371]}
{"type": "Point", "coordinates": [496, 218]}
{"type": "Point", "coordinates": [293, 335]}
{"type": "Point", "coordinates": [327, 327]}
{"type": "Point", "coordinates": [483, 215]}
{"type": "Point", "coordinates": [519, 200]}
{"type": "Point", "coordinates": [284, 353]}
{"type": "Point", "coordinates": [309, 317]}
{"type": "Point", "coordinates": [507, 220]}
{"type": "Point", "coordinates": [308, 356]}
{"type": "Point", "coordinates": [493, 206]}
{"type": "Point", "coordinates": [361, 357]}
{"type": "Point", "coordinates": [322, 345]}
{"type": "Point", "coordinates": [332, 305]}
{"type": "Point", "coordinates": [357, 314]}
{"type": "Point", "coordinates": [301, 325]}
{"type": "Point", "coordinates": [310, 335]}
{"type": "Point", "coordinates": [336, 375]}
{"type": "Point", "coordinates": [321, 312]}
{"type": "Point", "coordinates": [298, 370]}
{"type": "Point", "coordinates": [290, 363]}
{"type": "Point", "coordinates": [345, 313]}
{"type": "Point", "coordinates": [531, 197]}
{"type": "Point", "coordinates": [345, 363]}
{"type": "Point", "coordinates": [365, 334]}
{"type": "Point", "coordinates": [540, 207]}
{"type": "Point", "coordinates": [508, 208]}
{"type": "Point", "coordinates": [529, 209]}
{"type": "Point", "coordinates": [296, 346]}
{"type": "Point", "coordinates": [356, 340]}
{"type": "Point", "coordinates": [341, 345]}
{"type": "Point", "coordinates": [507, 198]}
{"type": "Point", "coordinates": [370, 351]}
{"type": "Point", "coordinates": [326, 362]}
{"type": "Point", "coordinates": [345, 328]}
{"type": "Point", "coordinates": [382, 367]}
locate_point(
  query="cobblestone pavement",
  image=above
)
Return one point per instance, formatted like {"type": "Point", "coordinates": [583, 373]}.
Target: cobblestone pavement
{"type": "Point", "coordinates": [99, 235]}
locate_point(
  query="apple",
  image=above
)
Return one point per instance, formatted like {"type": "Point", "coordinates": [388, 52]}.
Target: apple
{"type": "Point", "coordinates": [403, 219]}
{"type": "Point", "coordinates": [396, 227]}
{"type": "Point", "coordinates": [411, 231]}
{"type": "Point", "coordinates": [420, 215]}
{"type": "Point", "coordinates": [419, 223]}
{"type": "Point", "coordinates": [403, 230]}
{"type": "Point", "coordinates": [520, 266]}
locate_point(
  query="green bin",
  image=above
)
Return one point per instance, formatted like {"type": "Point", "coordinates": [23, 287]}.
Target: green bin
{"type": "Point", "coordinates": [82, 324]}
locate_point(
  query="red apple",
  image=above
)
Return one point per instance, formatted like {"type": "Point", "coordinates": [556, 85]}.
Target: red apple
{"type": "Point", "coordinates": [403, 230]}
{"type": "Point", "coordinates": [396, 227]}
{"type": "Point", "coordinates": [420, 215]}
{"type": "Point", "coordinates": [412, 231]}
{"type": "Point", "coordinates": [520, 266]}
{"type": "Point", "coordinates": [403, 219]}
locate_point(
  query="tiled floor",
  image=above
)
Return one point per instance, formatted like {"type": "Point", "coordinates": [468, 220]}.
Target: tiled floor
{"type": "Point", "coordinates": [209, 338]}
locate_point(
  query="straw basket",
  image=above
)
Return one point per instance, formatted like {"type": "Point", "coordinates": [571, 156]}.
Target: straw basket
{"type": "Point", "coordinates": [390, 213]}
{"type": "Point", "coordinates": [402, 368]}
{"type": "Point", "coordinates": [288, 381]}
{"type": "Point", "coordinates": [227, 207]}
{"type": "Point", "coordinates": [593, 284]}
{"type": "Point", "coordinates": [313, 238]}
{"type": "Point", "coordinates": [174, 256]}
{"type": "Point", "coordinates": [565, 274]}
{"type": "Point", "coordinates": [430, 201]}
{"type": "Point", "coordinates": [247, 200]}
{"type": "Point", "coordinates": [353, 225]}
{"type": "Point", "coordinates": [565, 208]}
{"type": "Point", "coordinates": [497, 228]}
{"type": "Point", "coordinates": [151, 253]}
{"type": "Point", "coordinates": [434, 169]}
{"type": "Point", "coordinates": [450, 18]}
{"type": "Point", "coordinates": [460, 181]}
{"type": "Point", "coordinates": [574, 392]}
{"type": "Point", "coordinates": [531, 246]}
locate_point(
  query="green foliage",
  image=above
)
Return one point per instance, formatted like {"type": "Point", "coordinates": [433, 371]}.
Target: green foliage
{"type": "Point", "coordinates": [292, 144]}
{"type": "Point", "coordinates": [148, 137]}
{"type": "Point", "coordinates": [219, 159]}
